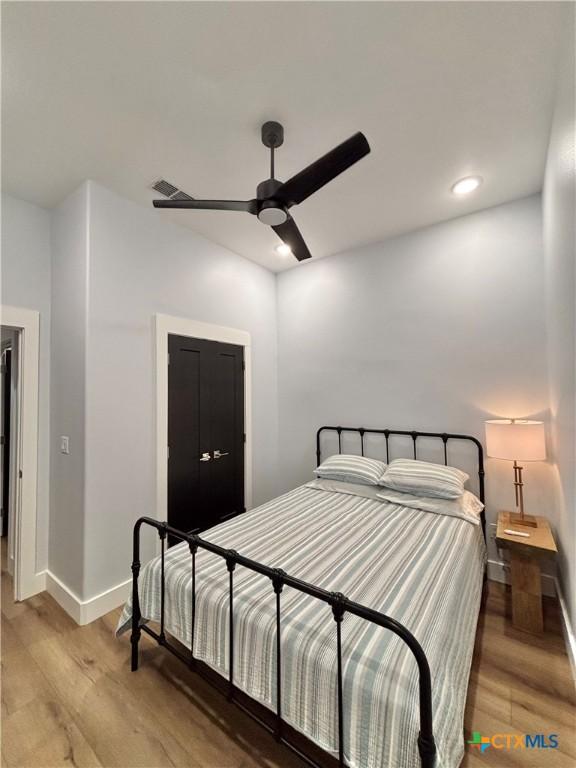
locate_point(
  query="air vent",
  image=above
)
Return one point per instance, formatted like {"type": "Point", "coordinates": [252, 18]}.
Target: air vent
{"type": "Point", "coordinates": [169, 190]}
{"type": "Point", "coordinates": [165, 188]}
{"type": "Point", "coordinates": [181, 196]}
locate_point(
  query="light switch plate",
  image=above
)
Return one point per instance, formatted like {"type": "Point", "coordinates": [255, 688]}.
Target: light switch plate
{"type": "Point", "coordinates": [64, 444]}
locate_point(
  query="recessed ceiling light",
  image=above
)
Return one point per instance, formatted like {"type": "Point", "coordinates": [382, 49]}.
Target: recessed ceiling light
{"type": "Point", "coordinates": [466, 185]}
{"type": "Point", "coordinates": [283, 249]}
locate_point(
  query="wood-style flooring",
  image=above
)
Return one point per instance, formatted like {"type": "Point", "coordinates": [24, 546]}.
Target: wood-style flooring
{"type": "Point", "coordinates": [69, 698]}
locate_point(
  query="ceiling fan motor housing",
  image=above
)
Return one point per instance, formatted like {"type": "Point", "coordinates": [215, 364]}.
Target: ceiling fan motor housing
{"type": "Point", "coordinates": [269, 211]}
{"type": "Point", "coordinates": [267, 189]}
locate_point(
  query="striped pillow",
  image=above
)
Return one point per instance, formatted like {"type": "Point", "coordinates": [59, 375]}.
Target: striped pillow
{"type": "Point", "coordinates": [351, 469]}
{"type": "Point", "coordinates": [424, 479]}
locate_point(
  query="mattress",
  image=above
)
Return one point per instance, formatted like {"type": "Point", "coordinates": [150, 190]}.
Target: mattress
{"type": "Point", "coordinates": [423, 569]}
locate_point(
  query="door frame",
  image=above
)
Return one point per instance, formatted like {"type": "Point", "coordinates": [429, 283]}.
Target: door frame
{"type": "Point", "coordinates": [165, 325]}
{"type": "Point", "coordinates": [27, 581]}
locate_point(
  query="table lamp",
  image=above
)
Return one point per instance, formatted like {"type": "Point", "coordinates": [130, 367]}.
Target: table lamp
{"type": "Point", "coordinates": [517, 440]}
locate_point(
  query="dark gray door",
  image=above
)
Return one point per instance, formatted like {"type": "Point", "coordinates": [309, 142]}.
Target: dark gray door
{"type": "Point", "coordinates": [205, 432]}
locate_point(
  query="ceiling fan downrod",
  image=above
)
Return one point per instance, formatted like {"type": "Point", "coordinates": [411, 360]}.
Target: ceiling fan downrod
{"type": "Point", "coordinates": [272, 137]}
{"type": "Point", "coordinates": [271, 212]}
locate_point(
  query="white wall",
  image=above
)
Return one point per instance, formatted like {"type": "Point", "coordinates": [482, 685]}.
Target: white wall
{"type": "Point", "coordinates": [436, 330]}
{"type": "Point", "coordinates": [560, 254]}
{"type": "Point", "coordinates": [26, 283]}
{"type": "Point", "coordinates": [69, 314]}
{"type": "Point", "coordinates": [141, 265]}
{"type": "Point", "coordinates": [98, 268]}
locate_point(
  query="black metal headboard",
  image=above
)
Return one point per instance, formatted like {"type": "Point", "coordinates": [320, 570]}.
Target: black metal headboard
{"type": "Point", "coordinates": [444, 436]}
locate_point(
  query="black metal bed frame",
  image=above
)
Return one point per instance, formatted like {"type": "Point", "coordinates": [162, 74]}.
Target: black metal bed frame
{"type": "Point", "coordinates": [273, 722]}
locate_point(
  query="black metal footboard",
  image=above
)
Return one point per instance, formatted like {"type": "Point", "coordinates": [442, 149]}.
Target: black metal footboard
{"type": "Point", "coordinates": [278, 580]}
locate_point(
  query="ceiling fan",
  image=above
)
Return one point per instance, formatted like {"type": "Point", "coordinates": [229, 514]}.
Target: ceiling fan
{"type": "Point", "coordinates": [274, 198]}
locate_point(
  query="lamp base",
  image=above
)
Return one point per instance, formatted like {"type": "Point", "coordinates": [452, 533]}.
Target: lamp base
{"type": "Point", "coordinates": [528, 520]}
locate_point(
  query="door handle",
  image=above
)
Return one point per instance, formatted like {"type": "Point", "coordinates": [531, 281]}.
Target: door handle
{"type": "Point", "coordinates": [205, 456]}
{"type": "Point", "coordinates": [219, 454]}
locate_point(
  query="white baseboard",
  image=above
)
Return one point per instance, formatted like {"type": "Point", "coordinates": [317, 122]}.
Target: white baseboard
{"type": "Point", "coordinates": [85, 611]}
{"type": "Point", "coordinates": [105, 602]}
{"type": "Point", "coordinates": [34, 585]}
{"type": "Point", "coordinates": [500, 571]}
{"type": "Point", "coordinates": [569, 636]}
{"type": "Point", "coordinates": [64, 596]}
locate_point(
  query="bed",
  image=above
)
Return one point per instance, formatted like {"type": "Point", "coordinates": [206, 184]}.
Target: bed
{"type": "Point", "coordinates": [290, 604]}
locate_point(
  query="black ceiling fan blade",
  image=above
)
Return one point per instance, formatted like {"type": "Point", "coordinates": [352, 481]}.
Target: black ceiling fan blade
{"type": "Point", "coordinates": [323, 170]}
{"type": "Point", "coordinates": [247, 206]}
{"type": "Point", "coordinates": [290, 234]}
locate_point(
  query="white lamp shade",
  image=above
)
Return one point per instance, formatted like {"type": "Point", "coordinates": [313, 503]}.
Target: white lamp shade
{"type": "Point", "coordinates": [516, 440]}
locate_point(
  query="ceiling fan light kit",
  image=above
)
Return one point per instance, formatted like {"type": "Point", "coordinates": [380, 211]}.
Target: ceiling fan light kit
{"type": "Point", "coordinates": [274, 197]}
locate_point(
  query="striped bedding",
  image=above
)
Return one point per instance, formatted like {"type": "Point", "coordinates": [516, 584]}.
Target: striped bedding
{"type": "Point", "coordinates": [423, 569]}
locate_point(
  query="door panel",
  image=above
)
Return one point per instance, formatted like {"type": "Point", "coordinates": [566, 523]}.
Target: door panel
{"type": "Point", "coordinates": [205, 414]}
{"type": "Point", "coordinates": [228, 431]}
{"type": "Point", "coordinates": [183, 433]}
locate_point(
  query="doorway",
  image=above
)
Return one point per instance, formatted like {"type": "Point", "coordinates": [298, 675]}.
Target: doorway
{"type": "Point", "coordinates": [171, 325]}
{"type": "Point", "coordinates": [21, 335]}
{"type": "Point", "coordinates": [6, 370]}
{"type": "Point", "coordinates": [205, 432]}
{"type": "Point", "coordinates": [9, 429]}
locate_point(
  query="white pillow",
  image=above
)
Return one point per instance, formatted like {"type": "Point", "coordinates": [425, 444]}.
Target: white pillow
{"type": "Point", "coordinates": [351, 469]}
{"type": "Point", "coordinates": [424, 479]}
{"type": "Point", "coordinates": [468, 506]}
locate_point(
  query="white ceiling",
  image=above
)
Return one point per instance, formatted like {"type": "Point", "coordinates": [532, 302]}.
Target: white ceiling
{"type": "Point", "coordinates": [126, 93]}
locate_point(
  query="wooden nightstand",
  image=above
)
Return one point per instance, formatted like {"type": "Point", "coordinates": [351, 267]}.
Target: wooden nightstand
{"type": "Point", "coordinates": [525, 557]}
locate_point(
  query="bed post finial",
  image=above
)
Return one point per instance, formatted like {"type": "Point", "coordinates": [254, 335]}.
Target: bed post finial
{"type": "Point", "coordinates": [278, 580]}
{"type": "Point", "coordinates": [338, 603]}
